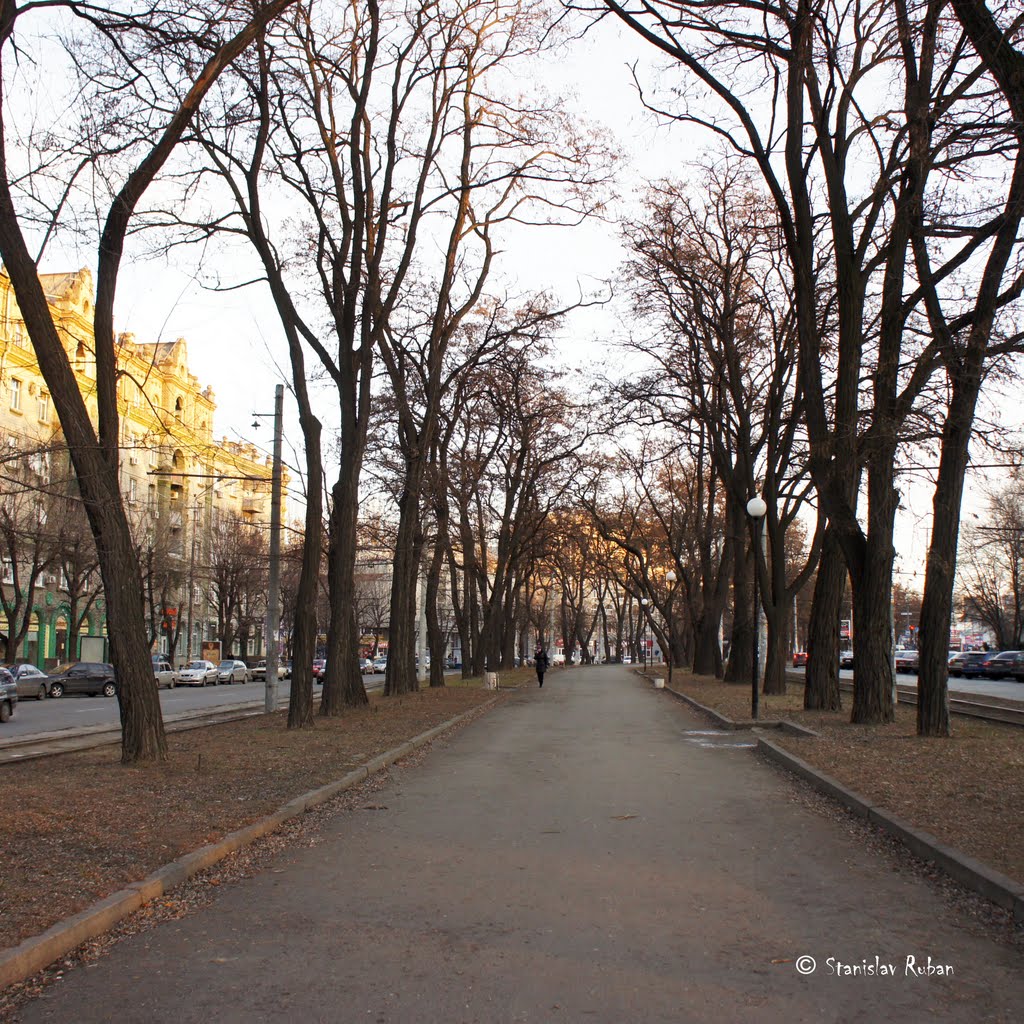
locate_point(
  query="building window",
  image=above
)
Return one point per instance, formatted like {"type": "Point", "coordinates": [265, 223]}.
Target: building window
{"type": "Point", "coordinates": [16, 394]}
{"type": "Point", "coordinates": [8, 571]}
{"type": "Point", "coordinates": [151, 497]}
{"type": "Point", "coordinates": [43, 406]}
{"type": "Point", "coordinates": [133, 490]}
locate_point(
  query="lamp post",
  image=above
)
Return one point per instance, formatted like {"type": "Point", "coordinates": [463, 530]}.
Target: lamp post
{"type": "Point", "coordinates": [643, 630]}
{"type": "Point", "coordinates": [670, 577]}
{"type": "Point", "coordinates": [756, 509]}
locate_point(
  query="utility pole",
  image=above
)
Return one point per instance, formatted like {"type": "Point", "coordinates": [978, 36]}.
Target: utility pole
{"type": "Point", "coordinates": [191, 583]}
{"type": "Point", "coordinates": [274, 596]}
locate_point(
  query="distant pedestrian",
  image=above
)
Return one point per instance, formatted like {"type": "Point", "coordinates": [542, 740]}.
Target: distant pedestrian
{"type": "Point", "coordinates": [540, 663]}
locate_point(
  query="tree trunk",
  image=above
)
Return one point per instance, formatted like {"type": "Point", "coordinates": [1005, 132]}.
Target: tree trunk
{"type": "Point", "coordinates": [343, 680]}
{"type": "Point", "coordinates": [821, 679]}
{"type": "Point", "coordinates": [142, 727]}
{"type": "Point", "coordinates": [741, 645]}
{"type": "Point", "coordinates": [937, 605]}
{"type": "Point", "coordinates": [435, 641]}
{"type": "Point", "coordinates": [872, 649]}
{"type": "Point", "coordinates": [300, 699]}
{"type": "Point", "coordinates": [775, 656]}
{"type": "Point", "coordinates": [401, 671]}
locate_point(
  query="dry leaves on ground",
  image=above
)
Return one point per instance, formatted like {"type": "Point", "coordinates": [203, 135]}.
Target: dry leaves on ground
{"type": "Point", "coordinates": [81, 826]}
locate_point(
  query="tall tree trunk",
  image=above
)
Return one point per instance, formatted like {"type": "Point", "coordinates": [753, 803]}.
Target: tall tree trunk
{"type": "Point", "coordinates": [401, 672]}
{"type": "Point", "coordinates": [775, 656]}
{"type": "Point", "coordinates": [96, 468]}
{"type": "Point", "coordinates": [435, 641]}
{"type": "Point", "coordinates": [343, 680]}
{"type": "Point", "coordinates": [821, 679]}
{"type": "Point", "coordinates": [741, 645]}
{"type": "Point", "coordinates": [872, 649]}
{"type": "Point", "coordinates": [300, 698]}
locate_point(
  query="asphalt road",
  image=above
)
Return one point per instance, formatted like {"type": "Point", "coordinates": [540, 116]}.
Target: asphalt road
{"type": "Point", "coordinates": [589, 851]}
{"type": "Point", "coordinates": [1009, 689]}
{"type": "Point", "coordinates": [74, 711]}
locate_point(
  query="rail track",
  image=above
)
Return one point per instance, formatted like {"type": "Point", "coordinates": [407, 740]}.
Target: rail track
{"type": "Point", "coordinates": [1006, 714]}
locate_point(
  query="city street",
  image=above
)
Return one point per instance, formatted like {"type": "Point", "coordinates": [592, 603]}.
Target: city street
{"type": "Point", "coordinates": [1008, 689]}
{"type": "Point", "coordinates": [587, 851]}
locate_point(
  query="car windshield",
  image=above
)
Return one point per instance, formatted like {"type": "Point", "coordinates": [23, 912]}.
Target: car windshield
{"type": "Point", "coordinates": [226, 664]}
{"type": "Point", "coordinates": [196, 664]}
{"type": "Point", "coordinates": [65, 667]}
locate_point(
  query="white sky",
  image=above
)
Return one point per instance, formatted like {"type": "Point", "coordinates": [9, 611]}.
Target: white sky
{"type": "Point", "coordinates": [234, 340]}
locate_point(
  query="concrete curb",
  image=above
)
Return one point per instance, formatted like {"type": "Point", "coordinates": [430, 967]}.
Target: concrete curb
{"type": "Point", "coordinates": [727, 723]}
{"type": "Point", "coordinates": [993, 885]}
{"type": "Point", "coordinates": [972, 874]}
{"type": "Point", "coordinates": [35, 953]}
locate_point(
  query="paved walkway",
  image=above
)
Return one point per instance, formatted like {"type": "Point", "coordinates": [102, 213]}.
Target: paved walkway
{"type": "Point", "coordinates": [588, 852]}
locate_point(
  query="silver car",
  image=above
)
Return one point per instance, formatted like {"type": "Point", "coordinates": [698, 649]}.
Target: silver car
{"type": "Point", "coordinates": [198, 673]}
{"type": "Point", "coordinates": [231, 671]}
{"type": "Point", "coordinates": [31, 681]}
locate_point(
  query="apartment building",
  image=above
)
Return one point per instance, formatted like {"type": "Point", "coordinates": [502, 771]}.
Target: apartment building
{"type": "Point", "coordinates": [184, 490]}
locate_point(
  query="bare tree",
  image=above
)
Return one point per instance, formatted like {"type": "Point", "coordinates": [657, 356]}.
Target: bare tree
{"type": "Point", "coordinates": [991, 572]}
{"type": "Point", "coordinates": [884, 177]}
{"type": "Point", "coordinates": [162, 104]}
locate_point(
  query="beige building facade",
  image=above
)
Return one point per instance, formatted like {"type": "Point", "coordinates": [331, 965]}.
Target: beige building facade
{"type": "Point", "coordinates": [183, 489]}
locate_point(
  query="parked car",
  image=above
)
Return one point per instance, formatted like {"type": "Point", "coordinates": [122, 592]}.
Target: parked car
{"type": "Point", "coordinates": [259, 672]}
{"type": "Point", "coordinates": [906, 661]}
{"type": "Point", "coordinates": [366, 665]}
{"type": "Point", "coordinates": [319, 664]}
{"type": "Point", "coordinates": [559, 659]}
{"type": "Point", "coordinates": [198, 673]}
{"type": "Point", "coordinates": [846, 659]}
{"type": "Point", "coordinates": [1005, 663]}
{"type": "Point", "coordinates": [967, 664]}
{"type": "Point", "coordinates": [92, 677]}
{"type": "Point", "coordinates": [8, 695]}
{"type": "Point", "coordinates": [31, 681]}
{"type": "Point", "coordinates": [799, 658]}
{"type": "Point", "coordinates": [231, 671]}
{"type": "Point", "coordinates": [165, 675]}
{"type": "Point", "coordinates": [380, 664]}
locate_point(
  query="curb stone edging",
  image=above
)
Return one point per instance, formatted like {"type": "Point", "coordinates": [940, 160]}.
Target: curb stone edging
{"type": "Point", "coordinates": [971, 873]}
{"type": "Point", "coordinates": [727, 723]}
{"type": "Point", "coordinates": [34, 953]}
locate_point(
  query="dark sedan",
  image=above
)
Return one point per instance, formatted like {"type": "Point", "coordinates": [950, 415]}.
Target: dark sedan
{"type": "Point", "coordinates": [31, 681]}
{"type": "Point", "coordinates": [907, 661]}
{"type": "Point", "coordinates": [968, 664]}
{"type": "Point", "coordinates": [92, 677]}
{"type": "Point", "coordinates": [1003, 664]}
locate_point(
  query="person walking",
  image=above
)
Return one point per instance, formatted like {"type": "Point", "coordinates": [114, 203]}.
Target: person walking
{"type": "Point", "coordinates": [540, 663]}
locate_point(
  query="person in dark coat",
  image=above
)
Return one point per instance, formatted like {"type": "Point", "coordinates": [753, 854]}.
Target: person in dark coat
{"type": "Point", "coordinates": [540, 663]}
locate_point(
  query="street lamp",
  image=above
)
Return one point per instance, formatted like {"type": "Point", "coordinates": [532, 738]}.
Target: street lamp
{"type": "Point", "coordinates": [756, 509]}
{"type": "Point", "coordinates": [670, 577]}
{"type": "Point", "coordinates": [643, 631]}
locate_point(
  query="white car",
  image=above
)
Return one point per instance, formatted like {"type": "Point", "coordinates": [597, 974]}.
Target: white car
{"type": "Point", "coordinates": [165, 675]}
{"type": "Point", "coordinates": [259, 673]}
{"type": "Point", "coordinates": [198, 673]}
{"type": "Point", "coordinates": [231, 671]}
